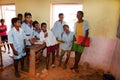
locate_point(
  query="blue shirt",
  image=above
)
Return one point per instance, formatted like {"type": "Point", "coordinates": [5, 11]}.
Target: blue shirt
{"type": "Point", "coordinates": [58, 29]}
{"type": "Point", "coordinates": [67, 39]}
{"type": "Point", "coordinates": [36, 33]}
{"type": "Point", "coordinates": [28, 32]}
{"type": "Point", "coordinates": [17, 39]}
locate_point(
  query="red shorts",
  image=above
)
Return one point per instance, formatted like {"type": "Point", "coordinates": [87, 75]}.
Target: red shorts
{"type": "Point", "coordinates": [51, 49]}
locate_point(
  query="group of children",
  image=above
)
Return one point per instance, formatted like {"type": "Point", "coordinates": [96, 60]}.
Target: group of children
{"type": "Point", "coordinates": [25, 33]}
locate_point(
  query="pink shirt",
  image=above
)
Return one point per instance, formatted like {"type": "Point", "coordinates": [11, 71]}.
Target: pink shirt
{"type": "Point", "coordinates": [4, 32]}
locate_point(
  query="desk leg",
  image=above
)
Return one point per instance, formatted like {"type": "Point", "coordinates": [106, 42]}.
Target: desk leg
{"type": "Point", "coordinates": [32, 63]}
{"type": "Point", "coordinates": [1, 60]}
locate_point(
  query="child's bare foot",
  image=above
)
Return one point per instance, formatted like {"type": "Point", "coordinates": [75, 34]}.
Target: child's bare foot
{"type": "Point", "coordinates": [44, 70]}
{"type": "Point", "coordinates": [8, 51]}
{"type": "Point", "coordinates": [72, 68]}
{"type": "Point", "coordinates": [76, 70]}
{"type": "Point", "coordinates": [3, 51]}
{"type": "Point", "coordinates": [53, 66]}
{"type": "Point", "coordinates": [17, 74]}
{"type": "Point", "coordinates": [64, 67]}
{"type": "Point", "coordinates": [59, 65]}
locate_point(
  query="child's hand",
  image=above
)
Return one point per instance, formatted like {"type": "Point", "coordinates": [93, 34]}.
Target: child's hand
{"type": "Point", "coordinates": [46, 35]}
{"type": "Point", "coordinates": [44, 43]}
{"type": "Point", "coordinates": [83, 43]}
{"type": "Point", "coordinates": [31, 41]}
{"type": "Point", "coordinates": [72, 48]}
{"type": "Point", "coordinates": [34, 40]}
{"type": "Point", "coordinates": [57, 38]}
{"type": "Point", "coordinates": [74, 38]}
{"type": "Point", "coordinates": [15, 52]}
{"type": "Point", "coordinates": [62, 34]}
{"type": "Point", "coordinates": [24, 49]}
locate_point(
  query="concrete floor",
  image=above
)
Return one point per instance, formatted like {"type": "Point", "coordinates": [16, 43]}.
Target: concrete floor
{"type": "Point", "coordinates": [58, 73]}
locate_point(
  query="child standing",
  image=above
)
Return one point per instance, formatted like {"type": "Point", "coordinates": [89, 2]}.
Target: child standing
{"type": "Point", "coordinates": [47, 37]}
{"type": "Point", "coordinates": [3, 34]}
{"type": "Point", "coordinates": [67, 38]}
{"type": "Point", "coordinates": [16, 40]}
{"type": "Point", "coordinates": [81, 29]}
{"type": "Point", "coordinates": [28, 31]}
{"type": "Point", "coordinates": [20, 16]}
{"type": "Point", "coordinates": [58, 30]}
{"type": "Point", "coordinates": [37, 29]}
{"type": "Point", "coordinates": [28, 28]}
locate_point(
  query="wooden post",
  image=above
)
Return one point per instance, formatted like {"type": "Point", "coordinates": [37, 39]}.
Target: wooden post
{"type": "Point", "coordinates": [1, 60]}
{"type": "Point", "coordinates": [32, 62]}
{"type": "Point", "coordinates": [33, 49]}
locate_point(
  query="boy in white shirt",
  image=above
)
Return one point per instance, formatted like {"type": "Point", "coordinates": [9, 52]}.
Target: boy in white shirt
{"type": "Point", "coordinates": [47, 37]}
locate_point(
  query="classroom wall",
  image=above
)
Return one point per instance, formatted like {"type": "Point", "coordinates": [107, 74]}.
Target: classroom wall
{"type": "Point", "coordinates": [102, 16]}
{"type": "Point", "coordinates": [115, 65]}
{"type": "Point", "coordinates": [40, 9]}
{"type": "Point", "coordinates": [101, 12]}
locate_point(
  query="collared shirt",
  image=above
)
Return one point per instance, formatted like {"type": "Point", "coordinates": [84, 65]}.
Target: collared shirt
{"type": "Point", "coordinates": [84, 25]}
{"type": "Point", "coordinates": [58, 29]}
{"type": "Point", "coordinates": [50, 40]}
{"type": "Point", "coordinates": [28, 30]}
{"type": "Point", "coordinates": [36, 33]}
{"type": "Point", "coordinates": [67, 39]}
{"type": "Point", "coordinates": [17, 39]}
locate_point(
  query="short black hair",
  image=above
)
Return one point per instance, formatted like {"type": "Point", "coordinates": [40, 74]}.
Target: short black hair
{"type": "Point", "coordinates": [27, 14]}
{"type": "Point", "coordinates": [43, 24]}
{"type": "Point", "coordinates": [19, 15]}
{"type": "Point", "coordinates": [60, 14]}
{"type": "Point", "coordinates": [81, 12]}
{"type": "Point", "coordinates": [65, 25]}
{"type": "Point", "coordinates": [35, 22]}
{"type": "Point", "coordinates": [2, 20]}
{"type": "Point", "coordinates": [14, 20]}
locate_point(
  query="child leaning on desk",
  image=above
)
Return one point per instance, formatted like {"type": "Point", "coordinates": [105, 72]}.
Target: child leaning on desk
{"type": "Point", "coordinates": [48, 38]}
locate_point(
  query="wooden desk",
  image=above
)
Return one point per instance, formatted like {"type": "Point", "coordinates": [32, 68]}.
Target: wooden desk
{"type": "Point", "coordinates": [33, 50]}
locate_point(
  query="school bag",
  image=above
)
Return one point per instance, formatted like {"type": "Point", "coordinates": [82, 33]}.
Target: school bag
{"type": "Point", "coordinates": [108, 77]}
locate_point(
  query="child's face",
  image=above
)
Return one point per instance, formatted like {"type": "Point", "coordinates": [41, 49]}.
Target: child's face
{"type": "Point", "coordinates": [79, 16]}
{"type": "Point", "coordinates": [28, 19]}
{"type": "Point", "coordinates": [66, 29]}
{"type": "Point", "coordinates": [2, 23]}
{"type": "Point", "coordinates": [37, 26]}
{"type": "Point", "coordinates": [20, 17]}
{"type": "Point", "coordinates": [44, 28]}
{"type": "Point", "coordinates": [61, 17]}
{"type": "Point", "coordinates": [17, 24]}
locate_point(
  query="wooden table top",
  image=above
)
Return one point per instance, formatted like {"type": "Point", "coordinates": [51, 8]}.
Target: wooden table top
{"type": "Point", "coordinates": [37, 47]}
